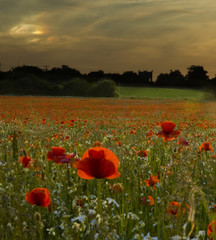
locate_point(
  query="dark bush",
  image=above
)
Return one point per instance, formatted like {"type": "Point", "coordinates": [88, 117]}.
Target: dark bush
{"type": "Point", "coordinates": [26, 85]}
{"type": "Point", "coordinates": [34, 85]}
{"type": "Point", "coordinates": [103, 88]}
{"type": "Point", "coordinates": [57, 90]}
{"type": "Point", "coordinates": [76, 87]}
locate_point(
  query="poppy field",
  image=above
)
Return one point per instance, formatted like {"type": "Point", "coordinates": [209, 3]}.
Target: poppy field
{"type": "Point", "coordinates": [128, 169]}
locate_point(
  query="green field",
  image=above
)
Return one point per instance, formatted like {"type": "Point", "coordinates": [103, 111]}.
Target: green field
{"type": "Point", "coordinates": [161, 93]}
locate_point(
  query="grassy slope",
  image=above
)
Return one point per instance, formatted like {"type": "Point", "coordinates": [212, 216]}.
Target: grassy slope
{"type": "Point", "coordinates": [164, 93]}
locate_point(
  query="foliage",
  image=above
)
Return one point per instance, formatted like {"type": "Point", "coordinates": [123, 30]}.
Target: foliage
{"type": "Point", "coordinates": [102, 88]}
{"type": "Point", "coordinates": [173, 79]}
{"type": "Point", "coordinates": [197, 76]}
{"type": "Point", "coordinates": [76, 87]}
{"type": "Point", "coordinates": [25, 85]}
{"type": "Point", "coordinates": [67, 81]}
{"type": "Point", "coordinates": [32, 85]}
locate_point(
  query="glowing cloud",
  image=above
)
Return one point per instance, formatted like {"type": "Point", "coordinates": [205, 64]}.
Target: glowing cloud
{"type": "Point", "coordinates": [23, 30]}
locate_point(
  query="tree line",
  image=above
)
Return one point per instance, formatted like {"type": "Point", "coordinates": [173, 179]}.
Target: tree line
{"type": "Point", "coordinates": [196, 77]}
{"type": "Point", "coordinates": [32, 80]}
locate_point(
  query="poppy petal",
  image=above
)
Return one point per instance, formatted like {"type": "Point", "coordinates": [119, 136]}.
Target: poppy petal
{"type": "Point", "coordinates": [39, 197]}
{"type": "Point", "coordinates": [84, 175]}
{"type": "Point", "coordinates": [58, 151]}
{"type": "Point", "coordinates": [168, 126]}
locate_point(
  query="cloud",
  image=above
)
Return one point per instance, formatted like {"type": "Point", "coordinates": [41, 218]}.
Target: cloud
{"type": "Point", "coordinates": [110, 35]}
{"type": "Point", "coordinates": [25, 29]}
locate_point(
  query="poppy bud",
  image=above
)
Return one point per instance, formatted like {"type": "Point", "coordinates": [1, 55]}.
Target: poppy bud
{"type": "Point", "coordinates": [37, 216]}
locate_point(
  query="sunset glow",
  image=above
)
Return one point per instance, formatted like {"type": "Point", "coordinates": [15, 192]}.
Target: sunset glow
{"type": "Point", "coordinates": [37, 32]}
{"type": "Point", "coordinates": [25, 30]}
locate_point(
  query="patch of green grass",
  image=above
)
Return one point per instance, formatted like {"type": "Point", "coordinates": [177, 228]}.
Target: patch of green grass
{"type": "Point", "coordinates": [160, 93]}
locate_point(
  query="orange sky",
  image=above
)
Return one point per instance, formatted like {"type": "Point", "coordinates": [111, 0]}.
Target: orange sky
{"type": "Point", "coordinates": [114, 35]}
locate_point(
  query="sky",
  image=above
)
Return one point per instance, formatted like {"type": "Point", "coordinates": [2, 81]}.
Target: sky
{"type": "Point", "coordinates": [109, 35]}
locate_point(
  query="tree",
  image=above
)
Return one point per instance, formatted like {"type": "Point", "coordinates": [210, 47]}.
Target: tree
{"type": "Point", "coordinates": [96, 75]}
{"type": "Point", "coordinates": [27, 69]}
{"type": "Point", "coordinates": [62, 74]}
{"type": "Point", "coordinates": [197, 76]}
{"type": "Point", "coordinates": [172, 79]}
{"type": "Point", "coordinates": [176, 78]}
{"type": "Point", "coordinates": [163, 80]}
{"type": "Point", "coordinates": [129, 77]}
{"type": "Point", "coordinates": [213, 81]}
{"type": "Point", "coordinates": [1, 73]}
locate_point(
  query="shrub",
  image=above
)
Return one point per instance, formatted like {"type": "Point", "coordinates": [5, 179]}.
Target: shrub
{"type": "Point", "coordinates": [103, 88]}
{"type": "Point", "coordinates": [26, 85]}
{"type": "Point", "coordinates": [57, 90]}
{"type": "Point", "coordinates": [76, 87]}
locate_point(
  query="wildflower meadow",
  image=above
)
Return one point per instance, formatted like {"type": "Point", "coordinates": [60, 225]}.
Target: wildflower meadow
{"type": "Point", "coordinates": [107, 169]}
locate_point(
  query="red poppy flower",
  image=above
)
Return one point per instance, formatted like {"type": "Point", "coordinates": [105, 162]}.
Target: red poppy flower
{"type": "Point", "coordinates": [80, 202]}
{"type": "Point", "coordinates": [58, 155]}
{"type": "Point", "coordinates": [97, 144]}
{"type": "Point", "coordinates": [132, 132]}
{"type": "Point", "coordinates": [149, 134]}
{"type": "Point", "coordinates": [98, 162]}
{"type": "Point", "coordinates": [38, 197]}
{"type": "Point", "coordinates": [150, 200]}
{"type": "Point", "coordinates": [168, 132]}
{"type": "Point", "coordinates": [117, 187]}
{"type": "Point", "coordinates": [183, 142]}
{"type": "Point", "coordinates": [186, 208]}
{"type": "Point", "coordinates": [206, 146]}
{"type": "Point", "coordinates": [142, 153]}
{"type": "Point", "coordinates": [211, 231]}
{"type": "Point", "coordinates": [152, 181]}
{"type": "Point", "coordinates": [25, 161]}
{"type": "Point", "coordinates": [173, 208]}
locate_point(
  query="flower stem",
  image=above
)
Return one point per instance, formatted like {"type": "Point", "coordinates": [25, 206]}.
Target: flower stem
{"type": "Point", "coordinates": [99, 195]}
{"type": "Point", "coordinates": [39, 224]}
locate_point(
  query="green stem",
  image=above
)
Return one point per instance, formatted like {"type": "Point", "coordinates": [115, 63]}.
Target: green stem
{"type": "Point", "coordinates": [122, 212]}
{"type": "Point", "coordinates": [69, 199]}
{"type": "Point", "coordinates": [39, 225]}
{"type": "Point", "coordinates": [99, 195]}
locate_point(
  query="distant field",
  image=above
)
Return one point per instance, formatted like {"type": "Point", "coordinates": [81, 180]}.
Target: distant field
{"type": "Point", "coordinates": [160, 93]}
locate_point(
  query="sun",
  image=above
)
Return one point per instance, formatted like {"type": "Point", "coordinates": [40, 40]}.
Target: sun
{"type": "Point", "coordinates": [38, 32]}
